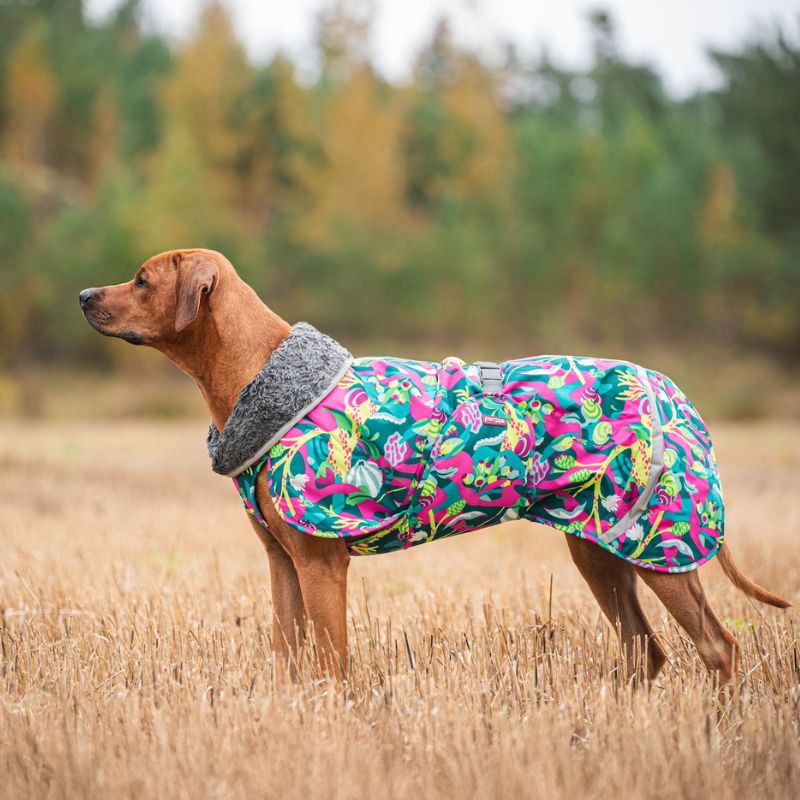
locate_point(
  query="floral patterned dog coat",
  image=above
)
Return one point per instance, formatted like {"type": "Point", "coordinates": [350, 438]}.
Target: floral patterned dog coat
{"type": "Point", "coordinates": [397, 452]}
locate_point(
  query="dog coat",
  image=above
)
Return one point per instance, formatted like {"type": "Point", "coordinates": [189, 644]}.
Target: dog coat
{"type": "Point", "coordinates": [388, 453]}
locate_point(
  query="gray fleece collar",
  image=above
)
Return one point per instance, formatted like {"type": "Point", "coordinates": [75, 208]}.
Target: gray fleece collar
{"type": "Point", "coordinates": [301, 371]}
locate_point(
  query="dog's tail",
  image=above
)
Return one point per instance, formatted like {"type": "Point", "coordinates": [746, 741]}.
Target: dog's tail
{"type": "Point", "coordinates": [744, 584]}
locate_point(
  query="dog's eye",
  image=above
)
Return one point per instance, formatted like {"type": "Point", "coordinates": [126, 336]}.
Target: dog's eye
{"type": "Point", "coordinates": [140, 282]}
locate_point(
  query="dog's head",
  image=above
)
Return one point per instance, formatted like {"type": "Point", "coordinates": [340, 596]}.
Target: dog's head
{"type": "Point", "coordinates": [163, 302]}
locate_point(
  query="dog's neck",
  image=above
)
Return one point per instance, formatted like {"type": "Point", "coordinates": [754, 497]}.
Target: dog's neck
{"type": "Point", "coordinates": [228, 348]}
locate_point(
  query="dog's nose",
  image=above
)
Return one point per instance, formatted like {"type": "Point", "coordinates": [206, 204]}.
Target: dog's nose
{"type": "Point", "coordinates": [85, 296]}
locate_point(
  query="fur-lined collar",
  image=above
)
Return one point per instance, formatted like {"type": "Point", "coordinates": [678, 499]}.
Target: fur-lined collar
{"type": "Point", "coordinates": [301, 371]}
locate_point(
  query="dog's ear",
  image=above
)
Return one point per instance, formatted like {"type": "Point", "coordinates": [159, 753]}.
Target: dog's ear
{"type": "Point", "coordinates": [197, 275]}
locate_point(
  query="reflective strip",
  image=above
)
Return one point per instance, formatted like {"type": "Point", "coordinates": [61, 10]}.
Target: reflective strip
{"type": "Point", "coordinates": [656, 468]}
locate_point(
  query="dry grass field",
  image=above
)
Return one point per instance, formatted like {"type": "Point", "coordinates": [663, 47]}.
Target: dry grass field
{"type": "Point", "coordinates": [135, 646]}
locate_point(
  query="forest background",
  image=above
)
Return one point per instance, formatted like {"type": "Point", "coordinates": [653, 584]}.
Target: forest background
{"type": "Point", "coordinates": [483, 207]}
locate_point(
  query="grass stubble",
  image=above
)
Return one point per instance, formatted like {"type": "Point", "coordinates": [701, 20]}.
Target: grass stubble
{"type": "Point", "coordinates": [135, 646]}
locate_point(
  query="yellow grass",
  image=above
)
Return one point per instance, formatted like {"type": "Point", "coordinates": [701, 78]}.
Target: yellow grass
{"type": "Point", "coordinates": [135, 646]}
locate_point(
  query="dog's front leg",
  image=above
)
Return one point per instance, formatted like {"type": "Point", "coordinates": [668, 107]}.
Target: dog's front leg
{"type": "Point", "coordinates": [321, 569]}
{"type": "Point", "coordinates": [288, 613]}
{"type": "Point", "coordinates": [321, 566]}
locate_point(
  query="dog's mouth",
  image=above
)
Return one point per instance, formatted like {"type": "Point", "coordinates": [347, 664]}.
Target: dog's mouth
{"type": "Point", "coordinates": [99, 319]}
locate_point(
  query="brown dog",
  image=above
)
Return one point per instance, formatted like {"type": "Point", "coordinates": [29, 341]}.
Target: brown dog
{"type": "Point", "coordinates": [192, 306]}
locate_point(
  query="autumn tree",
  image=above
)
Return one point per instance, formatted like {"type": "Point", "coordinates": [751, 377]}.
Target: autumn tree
{"type": "Point", "coordinates": [30, 94]}
{"type": "Point", "coordinates": [194, 192]}
{"type": "Point", "coordinates": [456, 136]}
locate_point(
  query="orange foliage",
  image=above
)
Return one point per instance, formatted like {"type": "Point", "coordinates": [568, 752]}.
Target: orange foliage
{"type": "Point", "coordinates": [30, 94]}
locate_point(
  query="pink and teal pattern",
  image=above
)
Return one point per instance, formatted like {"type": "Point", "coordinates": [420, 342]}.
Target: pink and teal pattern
{"type": "Point", "coordinates": [404, 452]}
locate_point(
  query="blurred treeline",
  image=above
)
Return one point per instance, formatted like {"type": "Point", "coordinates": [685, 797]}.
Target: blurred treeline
{"type": "Point", "coordinates": [507, 203]}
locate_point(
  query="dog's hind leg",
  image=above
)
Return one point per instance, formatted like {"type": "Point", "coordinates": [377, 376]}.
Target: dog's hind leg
{"type": "Point", "coordinates": [613, 583]}
{"type": "Point", "coordinates": [683, 595]}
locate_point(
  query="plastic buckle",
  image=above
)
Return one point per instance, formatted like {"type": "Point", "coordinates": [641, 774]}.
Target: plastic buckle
{"type": "Point", "coordinates": [491, 376]}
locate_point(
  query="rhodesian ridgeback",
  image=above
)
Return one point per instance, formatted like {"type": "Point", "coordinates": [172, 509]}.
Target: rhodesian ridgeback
{"type": "Point", "coordinates": [193, 307]}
